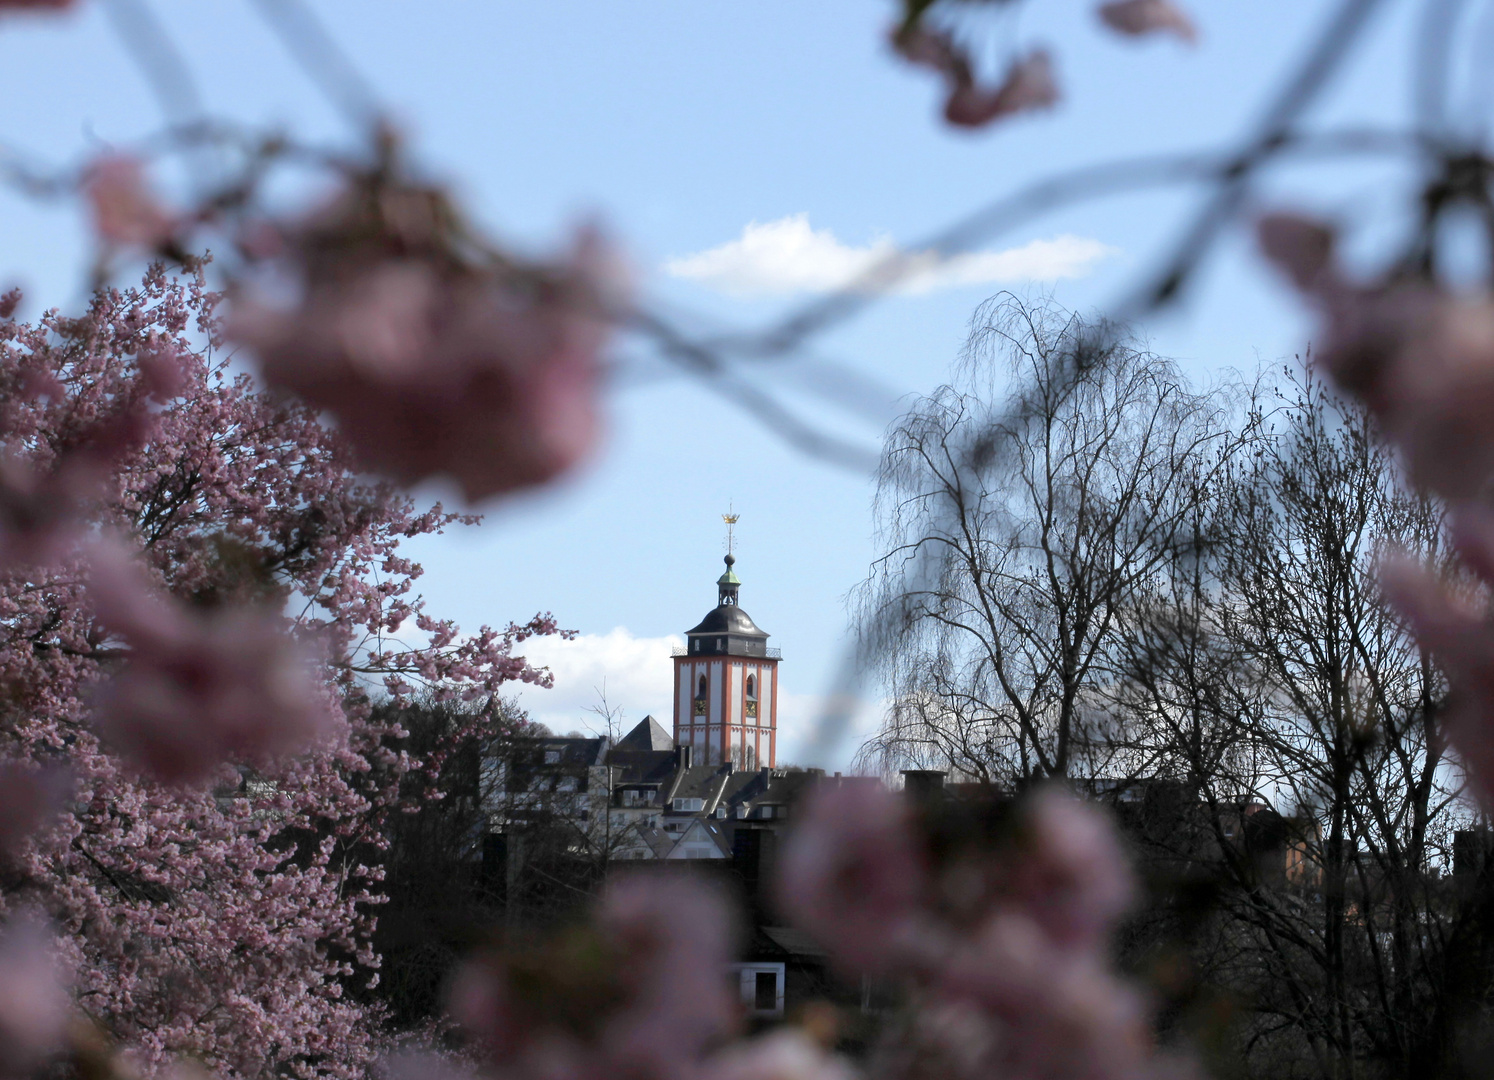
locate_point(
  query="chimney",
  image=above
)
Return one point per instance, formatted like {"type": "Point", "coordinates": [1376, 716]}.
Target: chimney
{"type": "Point", "coordinates": [923, 785]}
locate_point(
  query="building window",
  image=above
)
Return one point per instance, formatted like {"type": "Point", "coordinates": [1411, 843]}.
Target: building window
{"type": "Point", "coordinates": [765, 992]}
{"type": "Point", "coordinates": [761, 988]}
{"type": "Point", "coordinates": [552, 757]}
{"type": "Point", "coordinates": [752, 686]}
{"type": "Point", "coordinates": [700, 687]}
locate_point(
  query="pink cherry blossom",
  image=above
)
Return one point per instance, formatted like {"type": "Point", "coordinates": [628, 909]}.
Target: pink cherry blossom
{"type": "Point", "coordinates": [853, 876]}
{"type": "Point", "coordinates": [38, 515]}
{"type": "Point", "coordinates": [1136, 17]}
{"type": "Point", "coordinates": [200, 689]}
{"type": "Point", "coordinates": [1011, 960]}
{"type": "Point", "coordinates": [675, 936]}
{"type": "Point", "coordinates": [29, 796]}
{"type": "Point", "coordinates": [1418, 355]}
{"type": "Point", "coordinates": [488, 375]}
{"type": "Point", "coordinates": [1300, 246]}
{"type": "Point", "coordinates": [229, 924]}
{"type": "Point", "coordinates": [1447, 622]}
{"type": "Point", "coordinates": [645, 989]}
{"type": "Point", "coordinates": [1069, 874]}
{"type": "Point", "coordinates": [1062, 1012]}
{"type": "Point", "coordinates": [1028, 84]}
{"type": "Point", "coordinates": [34, 1003]}
{"type": "Point", "coordinates": [786, 1054]}
{"type": "Point", "coordinates": [124, 210]}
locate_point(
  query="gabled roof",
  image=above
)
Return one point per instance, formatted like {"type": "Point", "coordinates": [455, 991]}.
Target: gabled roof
{"type": "Point", "coordinates": [648, 735]}
{"type": "Point", "coordinates": [704, 782]}
{"type": "Point", "coordinates": [701, 833]}
{"type": "Point", "coordinates": [657, 841]}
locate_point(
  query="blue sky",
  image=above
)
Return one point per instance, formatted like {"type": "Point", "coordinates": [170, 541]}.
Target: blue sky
{"type": "Point", "coordinates": [681, 125]}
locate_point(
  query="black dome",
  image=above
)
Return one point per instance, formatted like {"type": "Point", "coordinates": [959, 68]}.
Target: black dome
{"type": "Point", "coordinates": [729, 619]}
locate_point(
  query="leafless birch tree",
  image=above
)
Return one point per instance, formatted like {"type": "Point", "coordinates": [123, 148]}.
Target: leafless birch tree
{"type": "Point", "coordinates": [1015, 543]}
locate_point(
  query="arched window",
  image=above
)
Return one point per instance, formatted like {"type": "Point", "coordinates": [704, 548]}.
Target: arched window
{"type": "Point", "coordinates": [700, 689]}
{"type": "Point", "coordinates": [752, 686]}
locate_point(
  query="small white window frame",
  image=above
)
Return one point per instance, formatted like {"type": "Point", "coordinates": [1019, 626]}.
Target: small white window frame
{"type": "Point", "coordinates": [747, 974]}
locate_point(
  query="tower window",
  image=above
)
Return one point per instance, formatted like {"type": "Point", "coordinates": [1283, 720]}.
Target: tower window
{"type": "Point", "coordinates": [700, 689]}
{"type": "Point", "coordinates": [752, 686]}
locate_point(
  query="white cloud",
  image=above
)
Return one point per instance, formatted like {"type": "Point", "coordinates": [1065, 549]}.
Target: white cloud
{"type": "Point", "coordinates": [788, 255]}
{"type": "Point", "coordinates": [635, 672]}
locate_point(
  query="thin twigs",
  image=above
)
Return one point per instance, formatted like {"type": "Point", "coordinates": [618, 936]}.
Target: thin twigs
{"type": "Point", "coordinates": [1273, 131]}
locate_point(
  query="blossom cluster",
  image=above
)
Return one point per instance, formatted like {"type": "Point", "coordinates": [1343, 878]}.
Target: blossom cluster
{"type": "Point", "coordinates": [1028, 82]}
{"type": "Point", "coordinates": [638, 993]}
{"type": "Point", "coordinates": [997, 930]}
{"type": "Point", "coordinates": [1419, 354]}
{"type": "Point", "coordinates": [1005, 940]}
{"type": "Point", "coordinates": [197, 587]}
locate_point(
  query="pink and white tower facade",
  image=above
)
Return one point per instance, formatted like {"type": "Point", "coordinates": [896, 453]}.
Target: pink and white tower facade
{"type": "Point", "coordinates": [726, 686]}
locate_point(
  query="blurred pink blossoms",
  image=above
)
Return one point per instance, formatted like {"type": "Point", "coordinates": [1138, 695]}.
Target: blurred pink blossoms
{"type": "Point", "coordinates": [199, 689]}
{"type": "Point", "coordinates": [1137, 17]}
{"type": "Point", "coordinates": [1027, 85]}
{"type": "Point", "coordinates": [436, 357]}
{"type": "Point", "coordinates": [1010, 951]}
{"type": "Point", "coordinates": [124, 209]}
{"type": "Point", "coordinates": [1448, 621]}
{"type": "Point", "coordinates": [34, 1003]}
{"type": "Point", "coordinates": [31, 795]}
{"type": "Point", "coordinates": [638, 995]}
{"type": "Point", "coordinates": [1419, 356]}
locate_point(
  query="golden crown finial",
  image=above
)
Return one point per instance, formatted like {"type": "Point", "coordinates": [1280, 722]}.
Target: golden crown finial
{"type": "Point", "coordinates": [731, 520]}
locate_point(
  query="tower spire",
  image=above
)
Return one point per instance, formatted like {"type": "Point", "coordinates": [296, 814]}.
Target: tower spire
{"type": "Point", "coordinates": [728, 582]}
{"type": "Point", "coordinates": [731, 520]}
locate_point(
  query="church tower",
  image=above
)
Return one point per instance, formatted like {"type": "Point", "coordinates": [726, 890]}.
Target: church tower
{"type": "Point", "coordinates": [726, 685]}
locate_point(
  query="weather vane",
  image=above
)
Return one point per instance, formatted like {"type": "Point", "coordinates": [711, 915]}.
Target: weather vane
{"type": "Point", "coordinates": [731, 521]}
